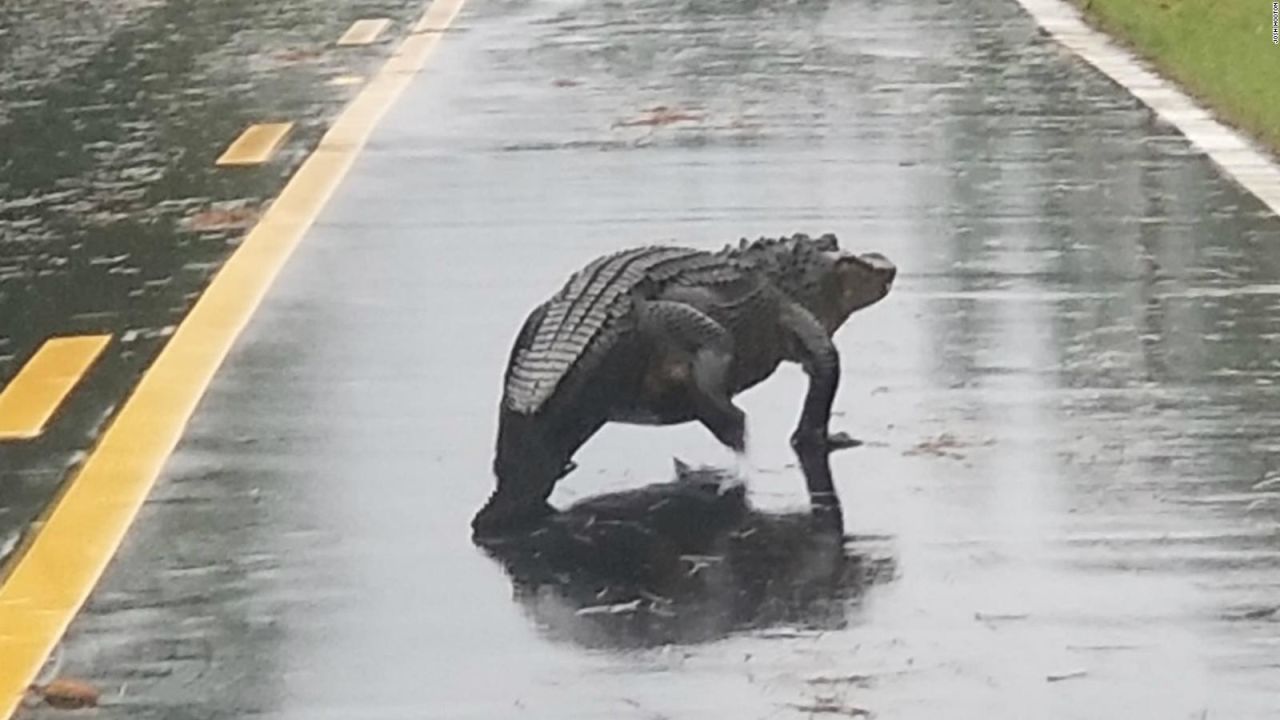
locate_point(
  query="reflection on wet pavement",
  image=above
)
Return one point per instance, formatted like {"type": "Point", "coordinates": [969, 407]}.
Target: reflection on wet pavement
{"type": "Point", "coordinates": [685, 561]}
{"type": "Point", "coordinates": [1069, 400]}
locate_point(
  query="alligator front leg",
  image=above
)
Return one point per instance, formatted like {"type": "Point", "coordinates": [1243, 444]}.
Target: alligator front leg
{"type": "Point", "coordinates": [812, 442]}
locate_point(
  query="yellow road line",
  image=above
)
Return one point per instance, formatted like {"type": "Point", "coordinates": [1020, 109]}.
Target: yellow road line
{"type": "Point", "coordinates": [364, 32]}
{"type": "Point", "coordinates": [65, 559]}
{"type": "Point", "coordinates": [255, 145]}
{"type": "Point", "coordinates": [36, 392]}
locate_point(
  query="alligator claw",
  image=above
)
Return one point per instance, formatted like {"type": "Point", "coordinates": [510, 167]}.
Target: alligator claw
{"type": "Point", "coordinates": [841, 441]}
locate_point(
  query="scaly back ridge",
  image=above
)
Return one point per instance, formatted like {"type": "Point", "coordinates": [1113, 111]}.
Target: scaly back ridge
{"type": "Point", "coordinates": [577, 315]}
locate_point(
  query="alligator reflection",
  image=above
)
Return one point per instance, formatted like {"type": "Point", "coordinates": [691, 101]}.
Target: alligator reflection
{"type": "Point", "coordinates": [682, 562]}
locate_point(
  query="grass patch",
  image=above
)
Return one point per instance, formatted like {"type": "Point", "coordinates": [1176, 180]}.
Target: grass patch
{"type": "Point", "coordinates": [1221, 51]}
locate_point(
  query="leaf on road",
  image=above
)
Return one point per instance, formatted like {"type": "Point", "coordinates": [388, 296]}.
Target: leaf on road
{"type": "Point", "coordinates": [224, 218]}
{"type": "Point", "coordinates": [831, 707]}
{"type": "Point", "coordinates": [660, 116]}
{"type": "Point", "coordinates": [68, 694]}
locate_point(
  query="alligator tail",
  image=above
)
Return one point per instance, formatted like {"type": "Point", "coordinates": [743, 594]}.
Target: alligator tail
{"type": "Point", "coordinates": [527, 467]}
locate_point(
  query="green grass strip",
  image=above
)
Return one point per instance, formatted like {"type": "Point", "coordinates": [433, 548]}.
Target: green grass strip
{"type": "Point", "coordinates": [1219, 50]}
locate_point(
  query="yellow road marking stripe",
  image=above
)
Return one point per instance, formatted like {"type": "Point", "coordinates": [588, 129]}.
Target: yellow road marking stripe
{"type": "Point", "coordinates": [364, 32]}
{"type": "Point", "coordinates": [36, 392]}
{"type": "Point", "coordinates": [65, 559]}
{"type": "Point", "coordinates": [255, 145]}
{"type": "Point", "coordinates": [437, 18]}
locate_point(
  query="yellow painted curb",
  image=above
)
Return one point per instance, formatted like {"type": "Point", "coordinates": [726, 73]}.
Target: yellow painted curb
{"type": "Point", "coordinates": [364, 32]}
{"type": "Point", "coordinates": [255, 145]}
{"type": "Point", "coordinates": [51, 581]}
{"type": "Point", "coordinates": [38, 390]}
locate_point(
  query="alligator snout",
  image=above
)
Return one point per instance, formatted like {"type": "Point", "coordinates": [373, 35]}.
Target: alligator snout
{"type": "Point", "coordinates": [881, 265]}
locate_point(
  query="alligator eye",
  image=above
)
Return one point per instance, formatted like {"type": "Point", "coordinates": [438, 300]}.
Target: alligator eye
{"type": "Point", "coordinates": [855, 260]}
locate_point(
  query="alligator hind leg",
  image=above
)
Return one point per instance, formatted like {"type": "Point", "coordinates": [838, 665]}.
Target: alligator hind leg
{"type": "Point", "coordinates": [705, 348]}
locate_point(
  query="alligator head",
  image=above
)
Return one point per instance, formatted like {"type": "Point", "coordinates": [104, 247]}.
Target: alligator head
{"type": "Point", "coordinates": [830, 282]}
{"type": "Point", "coordinates": [855, 281]}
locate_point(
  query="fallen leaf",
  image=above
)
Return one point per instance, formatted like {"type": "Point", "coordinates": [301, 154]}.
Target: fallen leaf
{"type": "Point", "coordinates": [293, 56]}
{"type": "Point", "coordinates": [660, 115]}
{"type": "Point", "coordinates": [998, 617]}
{"type": "Point", "coordinates": [214, 219]}
{"type": "Point", "coordinates": [1059, 677]}
{"type": "Point", "coordinates": [68, 694]}
{"type": "Point", "coordinates": [854, 679]}
{"type": "Point", "coordinates": [828, 707]}
{"type": "Point", "coordinates": [945, 445]}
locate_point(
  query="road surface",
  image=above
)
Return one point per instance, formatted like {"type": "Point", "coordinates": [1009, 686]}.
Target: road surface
{"type": "Point", "coordinates": [1069, 400]}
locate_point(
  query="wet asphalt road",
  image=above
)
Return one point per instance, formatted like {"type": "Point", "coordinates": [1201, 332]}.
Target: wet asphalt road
{"type": "Point", "coordinates": [113, 217]}
{"type": "Point", "coordinates": [1069, 399]}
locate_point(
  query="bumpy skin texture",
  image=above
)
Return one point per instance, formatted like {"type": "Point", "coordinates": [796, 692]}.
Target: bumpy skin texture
{"type": "Point", "coordinates": [665, 335]}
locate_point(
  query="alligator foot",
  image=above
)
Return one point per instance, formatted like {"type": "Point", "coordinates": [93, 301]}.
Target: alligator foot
{"type": "Point", "coordinates": [841, 441]}
{"type": "Point", "coordinates": [495, 521]}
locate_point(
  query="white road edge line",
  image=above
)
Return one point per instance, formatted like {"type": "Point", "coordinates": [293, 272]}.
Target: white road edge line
{"type": "Point", "coordinates": [1231, 151]}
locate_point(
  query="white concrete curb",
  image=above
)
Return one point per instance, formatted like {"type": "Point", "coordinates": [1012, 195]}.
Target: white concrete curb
{"type": "Point", "coordinates": [1231, 151]}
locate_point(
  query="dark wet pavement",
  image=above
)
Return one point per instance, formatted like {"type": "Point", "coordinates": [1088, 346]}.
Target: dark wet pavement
{"type": "Point", "coordinates": [1069, 399]}
{"type": "Point", "coordinates": [112, 215]}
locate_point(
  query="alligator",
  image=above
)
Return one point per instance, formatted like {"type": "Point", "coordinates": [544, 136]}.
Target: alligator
{"type": "Point", "coordinates": [661, 335]}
